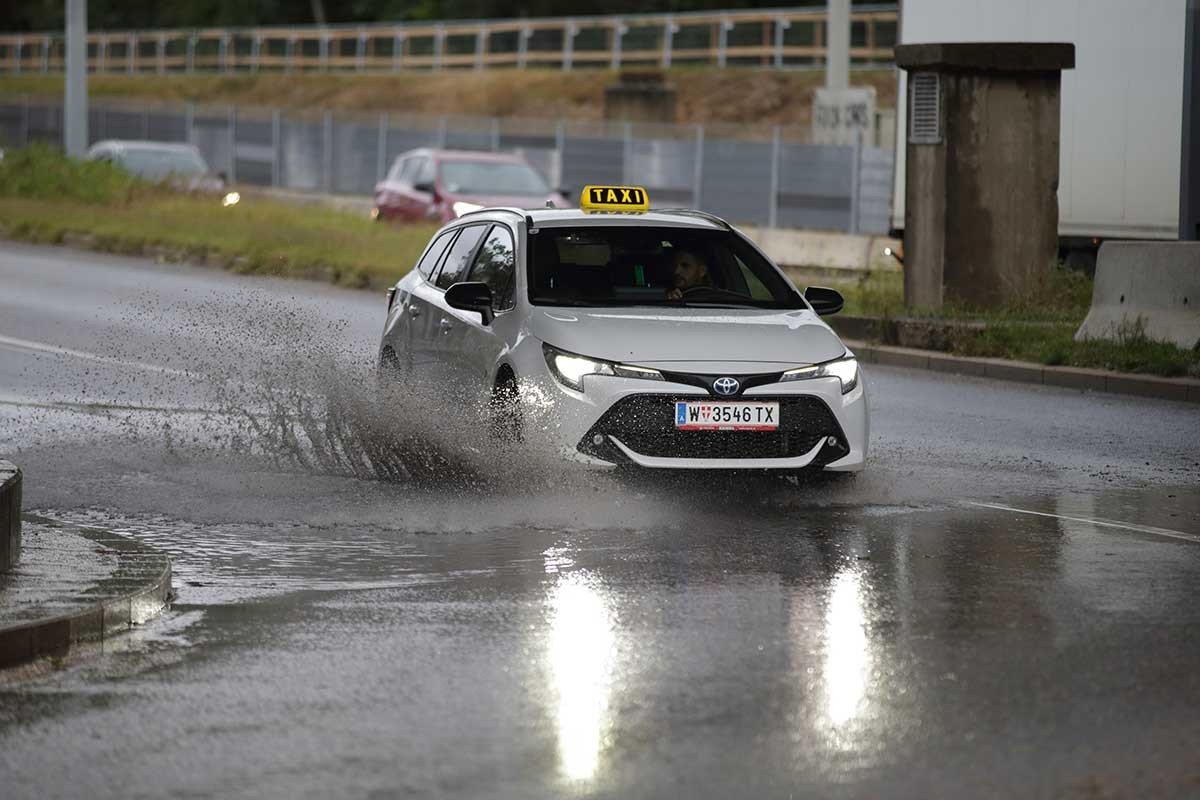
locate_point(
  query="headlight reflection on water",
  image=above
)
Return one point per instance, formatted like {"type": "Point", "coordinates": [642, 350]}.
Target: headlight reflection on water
{"type": "Point", "coordinates": [581, 653]}
{"type": "Point", "coordinates": [847, 650]}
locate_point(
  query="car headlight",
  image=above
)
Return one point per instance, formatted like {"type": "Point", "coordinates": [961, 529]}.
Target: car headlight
{"type": "Point", "coordinates": [571, 369]}
{"type": "Point", "coordinates": [844, 369]}
{"type": "Point", "coordinates": [231, 199]}
{"type": "Point", "coordinates": [462, 207]}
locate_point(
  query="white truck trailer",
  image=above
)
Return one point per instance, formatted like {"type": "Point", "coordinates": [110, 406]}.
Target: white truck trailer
{"type": "Point", "coordinates": [1122, 106]}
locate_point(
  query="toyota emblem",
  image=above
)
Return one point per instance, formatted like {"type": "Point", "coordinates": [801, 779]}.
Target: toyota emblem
{"type": "Point", "coordinates": [726, 386]}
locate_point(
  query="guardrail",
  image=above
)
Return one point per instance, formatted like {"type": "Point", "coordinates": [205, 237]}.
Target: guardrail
{"type": "Point", "coordinates": [763, 37]}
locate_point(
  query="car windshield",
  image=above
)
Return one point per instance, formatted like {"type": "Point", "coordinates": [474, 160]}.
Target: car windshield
{"type": "Point", "coordinates": [620, 265]}
{"type": "Point", "coordinates": [156, 163]}
{"type": "Point", "coordinates": [491, 178]}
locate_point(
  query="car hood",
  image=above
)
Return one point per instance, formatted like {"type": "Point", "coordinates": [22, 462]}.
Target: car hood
{"type": "Point", "coordinates": [690, 338]}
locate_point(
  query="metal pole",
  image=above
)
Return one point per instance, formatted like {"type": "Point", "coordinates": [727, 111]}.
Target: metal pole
{"type": "Point", "coordinates": [276, 125]}
{"type": "Point", "coordinates": [439, 40]}
{"type": "Point", "coordinates": [191, 54]}
{"type": "Point", "coordinates": [441, 132]}
{"type": "Point", "coordinates": [20, 48]}
{"type": "Point", "coordinates": [24, 137]}
{"type": "Point", "coordinates": [495, 134]}
{"type": "Point", "coordinates": [480, 48]}
{"type": "Point", "coordinates": [101, 53]}
{"type": "Point", "coordinates": [360, 52]}
{"type": "Point", "coordinates": [669, 31]}
{"type": "Point", "coordinates": [324, 51]}
{"type": "Point", "coordinates": [522, 46]}
{"type": "Point", "coordinates": [773, 209]}
{"type": "Point", "coordinates": [627, 154]}
{"type": "Point", "coordinates": [381, 148]}
{"type": "Point", "coordinates": [855, 180]}
{"type": "Point", "coordinates": [723, 41]}
{"type": "Point", "coordinates": [46, 53]}
{"type": "Point", "coordinates": [75, 110]}
{"type": "Point", "coordinates": [560, 145]}
{"type": "Point", "coordinates": [781, 25]}
{"type": "Point", "coordinates": [189, 122]}
{"type": "Point", "coordinates": [1189, 166]}
{"type": "Point", "coordinates": [698, 167]}
{"type": "Point", "coordinates": [569, 45]}
{"type": "Point", "coordinates": [327, 153]}
{"type": "Point", "coordinates": [619, 30]}
{"type": "Point", "coordinates": [837, 44]}
{"type": "Point", "coordinates": [398, 51]}
{"type": "Point", "coordinates": [255, 53]}
{"type": "Point", "coordinates": [232, 144]}
{"type": "Point", "coordinates": [131, 54]}
{"type": "Point", "coordinates": [162, 54]}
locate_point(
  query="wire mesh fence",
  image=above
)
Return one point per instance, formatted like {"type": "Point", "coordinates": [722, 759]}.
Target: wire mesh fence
{"type": "Point", "coordinates": [769, 178]}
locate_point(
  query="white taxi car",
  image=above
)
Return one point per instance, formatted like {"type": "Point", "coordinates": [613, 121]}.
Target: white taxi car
{"type": "Point", "coordinates": [619, 335]}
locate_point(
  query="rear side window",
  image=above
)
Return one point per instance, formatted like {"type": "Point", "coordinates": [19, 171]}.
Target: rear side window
{"type": "Point", "coordinates": [459, 257]}
{"type": "Point", "coordinates": [495, 266]}
{"type": "Point", "coordinates": [429, 261]}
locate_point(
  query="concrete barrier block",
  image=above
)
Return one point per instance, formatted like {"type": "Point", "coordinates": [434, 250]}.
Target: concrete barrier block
{"type": "Point", "coordinates": [10, 515]}
{"type": "Point", "coordinates": [1156, 282]}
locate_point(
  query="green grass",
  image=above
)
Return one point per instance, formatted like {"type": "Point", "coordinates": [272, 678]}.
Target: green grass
{"type": "Point", "coordinates": [1041, 329]}
{"type": "Point", "coordinates": [46, 198]}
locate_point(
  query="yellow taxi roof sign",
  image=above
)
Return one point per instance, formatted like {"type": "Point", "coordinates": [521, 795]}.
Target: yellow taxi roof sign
{"type": "Point", "coordinates": [621, 199]}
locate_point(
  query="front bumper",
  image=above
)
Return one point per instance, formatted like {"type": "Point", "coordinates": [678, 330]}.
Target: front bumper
{"type": "Point", "coordinates": [617, 420]}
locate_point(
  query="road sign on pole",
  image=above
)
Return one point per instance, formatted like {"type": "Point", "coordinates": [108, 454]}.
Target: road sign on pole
{"type": "Point", "coordinates": [75, 105]}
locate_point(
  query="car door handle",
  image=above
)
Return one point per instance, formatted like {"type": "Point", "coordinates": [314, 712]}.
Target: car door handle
{"type": "Point", "coordinates": [445, 325]}
{"type": "Point", "coordinates": [414, 311]}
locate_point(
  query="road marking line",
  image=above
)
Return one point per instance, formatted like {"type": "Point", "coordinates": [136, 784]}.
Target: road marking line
{"type": "Point", "coordinates": [1102, 523]}
{"type": "Point", "coordinates": [40, 347]}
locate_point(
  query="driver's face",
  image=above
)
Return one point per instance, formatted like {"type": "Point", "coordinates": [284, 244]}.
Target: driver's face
{"type": "Point", "coordinates": [689, 270]}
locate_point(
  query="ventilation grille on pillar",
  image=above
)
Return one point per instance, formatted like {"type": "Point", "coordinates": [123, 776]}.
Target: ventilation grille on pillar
{"type": "Point", "coordinates": [925, 116]}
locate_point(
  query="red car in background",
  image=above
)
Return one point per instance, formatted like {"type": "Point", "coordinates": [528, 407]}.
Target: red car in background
{"type": "Point", "coordinates": [441, 185]}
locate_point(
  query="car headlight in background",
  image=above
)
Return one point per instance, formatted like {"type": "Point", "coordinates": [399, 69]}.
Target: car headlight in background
{"type": "Point", "coordinates": [463, 207]}
{"type": "Point", "coordinates": [230, 199]}
{"type": "Point", "coordinates": [571, 369]}
{"type": "Point", "coordinates": [844, 369]}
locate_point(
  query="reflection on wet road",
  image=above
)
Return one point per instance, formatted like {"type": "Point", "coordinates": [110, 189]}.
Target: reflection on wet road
{"type": "Point", "coordinates": [1003, 605]}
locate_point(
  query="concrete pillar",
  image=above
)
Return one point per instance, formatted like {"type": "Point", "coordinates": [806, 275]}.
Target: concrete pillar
{"type": "Point", "coordinates": [981, 216]}
{"type": "Point", "coordinates": [75, 108]}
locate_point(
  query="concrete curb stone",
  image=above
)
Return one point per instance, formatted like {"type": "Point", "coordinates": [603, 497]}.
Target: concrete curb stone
{"type": "Point", "coordinates": [140, 589]}
{"type": "Point", "coordinates": [1178, 389]}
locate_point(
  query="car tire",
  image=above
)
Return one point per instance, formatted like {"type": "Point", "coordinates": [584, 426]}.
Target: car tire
{"type": "Point", "coordinates": [506, 417]}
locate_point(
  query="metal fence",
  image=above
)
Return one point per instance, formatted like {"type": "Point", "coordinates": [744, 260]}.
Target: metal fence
{"type": "Point", "coordinates": [758, 178]}
{"type": "Point", "coordinates": [764, 37]}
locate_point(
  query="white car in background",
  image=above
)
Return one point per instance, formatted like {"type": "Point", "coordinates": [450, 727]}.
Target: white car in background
{"type": "Point", "coordinates": [664, 339]}
{"type": "Point", "coordinates": [179, 165]}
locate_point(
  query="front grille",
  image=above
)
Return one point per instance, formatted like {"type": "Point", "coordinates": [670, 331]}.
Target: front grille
{"type": "Point", "coordinates": [645, 423]}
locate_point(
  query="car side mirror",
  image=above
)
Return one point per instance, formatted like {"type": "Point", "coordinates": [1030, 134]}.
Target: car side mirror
{"type": "Point", "coordinates": [824, 301]}
{"type": "Point", "coordinates": [428, 188]}
{"type": "Point", "coordinates": [472, 296]}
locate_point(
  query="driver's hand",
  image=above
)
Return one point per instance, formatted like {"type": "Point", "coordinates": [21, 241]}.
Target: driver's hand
{"type": "Point", "coordinates": [675, 294]}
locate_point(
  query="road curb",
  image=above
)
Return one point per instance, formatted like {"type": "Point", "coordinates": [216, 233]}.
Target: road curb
{"type": "Point", "coordinates": [56, 635]}
{"type": "Point", "coordinates": [1099, 380]}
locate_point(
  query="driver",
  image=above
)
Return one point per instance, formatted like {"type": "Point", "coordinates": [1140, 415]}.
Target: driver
{"type": "Point", "coordinates": [691, 272]}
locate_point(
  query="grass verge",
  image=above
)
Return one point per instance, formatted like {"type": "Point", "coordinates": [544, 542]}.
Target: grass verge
{"type": "Point", "coordinates": [1041, 330]}
{"type": "Point", "coordinates": [48, 199]}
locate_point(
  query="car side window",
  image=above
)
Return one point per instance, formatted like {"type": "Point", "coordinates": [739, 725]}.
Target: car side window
{"type": "Point", "coordinates": [424, 172]}
{"type": "Point", "coordinates": [758, 290]}
{"type": "Point", "coordinates": [495, 266]}
{"type": "Point", "coordinates": [430, 260]}
{"type": "Point", "coordinates": [397, 169]}
{"type": "Point", "coordinates": [459, 257]}
{"type": "Point", "coordinates": [409, 170]}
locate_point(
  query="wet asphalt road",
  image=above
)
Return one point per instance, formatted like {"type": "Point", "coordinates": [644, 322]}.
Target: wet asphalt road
{"type": "Point", "coordinates": [1004, 604]}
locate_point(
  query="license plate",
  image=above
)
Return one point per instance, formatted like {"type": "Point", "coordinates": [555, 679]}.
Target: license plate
{"type": "Point", "coordinates": [710, 416]}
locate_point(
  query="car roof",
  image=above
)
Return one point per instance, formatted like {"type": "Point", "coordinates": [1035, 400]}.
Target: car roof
{"type": "Point", "coordinates": [465, 155]}
{"type": "Point", "coordinates": [133, 144]}
{"type": "Point", "coordinates": [563, 217]}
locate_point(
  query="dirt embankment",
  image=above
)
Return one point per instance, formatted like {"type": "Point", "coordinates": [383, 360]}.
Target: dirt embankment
{"type": "Point", "coordinates": [705, 96]}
